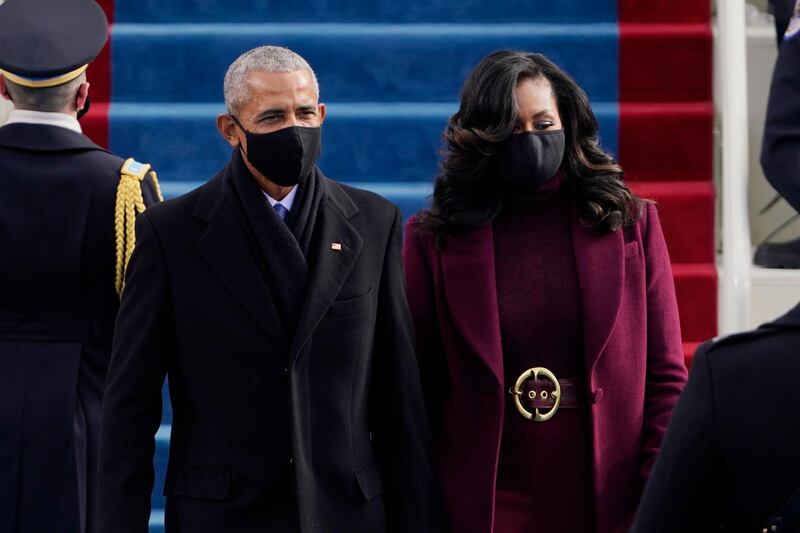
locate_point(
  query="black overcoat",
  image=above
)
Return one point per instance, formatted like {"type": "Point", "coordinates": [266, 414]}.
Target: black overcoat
{"type": "Point", "coordinates": [57, 309]}
{"type": "Point", "coordinates": [730, 456]}
{"type": "Point", "coordinates": [318, 428]}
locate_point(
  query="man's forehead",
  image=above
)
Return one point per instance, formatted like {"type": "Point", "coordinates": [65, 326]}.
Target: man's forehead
{"type": "Point", "coordinates": [279, 83]}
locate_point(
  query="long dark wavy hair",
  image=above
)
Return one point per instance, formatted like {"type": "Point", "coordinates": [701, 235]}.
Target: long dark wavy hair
{"type": "Point", "coordinates": [467, 194]}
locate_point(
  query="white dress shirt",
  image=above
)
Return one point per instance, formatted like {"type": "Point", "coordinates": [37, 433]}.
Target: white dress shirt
{"type": "Point", "coordinates": [287, 202]}
{"type": "Point", "coordinates": [23, 116]}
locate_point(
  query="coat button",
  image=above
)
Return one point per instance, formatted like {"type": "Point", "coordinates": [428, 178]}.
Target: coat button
{"type": "Point", "coordinates": [291, 461]}
{"type": "Point", "coordinates": [597, 395]}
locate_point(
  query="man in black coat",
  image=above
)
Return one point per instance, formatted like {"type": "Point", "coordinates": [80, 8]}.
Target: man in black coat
{"type": "Point", "coordinates": [731, 456]}
{"type": "Point", "coordinates": [780, 147]}
{"type": "Point", "coordinates": [273, 299]}
{"type": "Point", "coordinates": [58, 264]}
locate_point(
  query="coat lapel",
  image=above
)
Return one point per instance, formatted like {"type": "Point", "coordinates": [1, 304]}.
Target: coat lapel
{"type": "Point", "coordinates": [600, 263]}
{"type": "Point", "coordinates": [226, 250]}
{"type": "Point", "coordinates": [330, 267]}
{"type": "Point", "coordinates": [470, 286]}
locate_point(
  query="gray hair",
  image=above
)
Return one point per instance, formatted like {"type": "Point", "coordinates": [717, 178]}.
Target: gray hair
{"type": "Point", "coordinates": [48, 99]}
{"type": "Point", "coordinates": [261, 59]}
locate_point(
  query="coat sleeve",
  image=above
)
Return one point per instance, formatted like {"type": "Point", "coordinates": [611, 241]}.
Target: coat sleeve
{"type": "Point", "coordinates": [132, 405]}
{"type": "Point", "coordinates": [680, 495]}
{"type": "Point", "coordinates": [666, 369]}
{"type": "Point", "coordinates": [780, 148]}
{"type": "Point", "coordinates": [422, 302]}
{"type": "Point", "coordinates": [400, 425]}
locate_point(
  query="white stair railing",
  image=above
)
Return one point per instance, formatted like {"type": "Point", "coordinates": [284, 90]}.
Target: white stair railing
{"type": "Point", "coordinates": [734, 308]}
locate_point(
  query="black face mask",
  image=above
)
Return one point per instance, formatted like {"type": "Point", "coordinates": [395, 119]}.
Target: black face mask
{"type": "Point", "coordinates": [286, 157]}
{"type": "Point", "coordinates": [530, 158]}
{"type": "Point", "coordinates": [85, 109]}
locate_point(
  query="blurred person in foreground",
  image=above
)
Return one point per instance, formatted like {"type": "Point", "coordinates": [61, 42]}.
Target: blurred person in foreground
{"type": "Point", "coordinates": [730, 458]}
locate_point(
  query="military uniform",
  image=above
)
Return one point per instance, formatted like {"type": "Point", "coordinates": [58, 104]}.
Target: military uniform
{"type": "Point", "coordinates": [66, 222]}
{"type": "Point", "coordinates": [730, 460]}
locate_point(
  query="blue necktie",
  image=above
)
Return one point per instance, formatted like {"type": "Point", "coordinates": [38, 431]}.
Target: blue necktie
{"type": "Point", "coordinates": [281, 210]}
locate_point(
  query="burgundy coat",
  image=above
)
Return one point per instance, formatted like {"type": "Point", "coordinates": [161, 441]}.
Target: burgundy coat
{"type": "Point", "coordinates": [634, 361]}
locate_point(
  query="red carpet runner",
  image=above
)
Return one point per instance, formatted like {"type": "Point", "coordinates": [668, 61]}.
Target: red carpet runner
{"type": "Point", "coordinates": [665, 142]}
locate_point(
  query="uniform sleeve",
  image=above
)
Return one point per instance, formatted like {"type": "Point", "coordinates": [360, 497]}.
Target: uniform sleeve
{"type": "Point", "coordinates": [401, 432]}
{"type": "Point", "coordinates": [132, 405]}
{"type": "Point", "coordinates": [666, 369]}
{"type": "Point", "coordinates": [680, 495]}
{"type": "Point", "coordinates": [780, 148]}
{"type": "Point", "coordinates": [422, 302]}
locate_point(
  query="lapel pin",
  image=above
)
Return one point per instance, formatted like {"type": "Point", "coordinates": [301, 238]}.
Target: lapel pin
{"type": "Point", "coordinates": [336, 246]}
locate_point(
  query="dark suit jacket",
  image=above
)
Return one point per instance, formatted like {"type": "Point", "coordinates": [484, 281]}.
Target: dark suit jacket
{"type": "Point", "coordinates": [329, 420]}
{"type": "Point", "coordinates": [57, 310]}
{"type": "Point", "coordinates": [732, 452]}
{"type": "Point", "coordinates": [634, 361]}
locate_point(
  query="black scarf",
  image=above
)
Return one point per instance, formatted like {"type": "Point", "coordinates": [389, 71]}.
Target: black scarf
{"type": "Point", "coordinates": [284, 247]}
{"type": "Point", "coordinates": [303, 216]}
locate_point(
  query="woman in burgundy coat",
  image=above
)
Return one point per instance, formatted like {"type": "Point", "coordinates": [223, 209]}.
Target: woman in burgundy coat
{"type": "Point", "coordinates": [545, 312]}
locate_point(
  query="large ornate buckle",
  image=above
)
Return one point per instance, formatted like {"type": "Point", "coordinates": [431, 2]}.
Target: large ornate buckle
{"type": "Point", "coordinates": [517, 393]}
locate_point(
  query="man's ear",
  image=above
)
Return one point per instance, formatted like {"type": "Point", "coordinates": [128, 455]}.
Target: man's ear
{"type": "Point", "coordinates": [82, 96]}
{"type": "Point", "coordinates": [322, 112]}
{"type": "Point", "coordinates": [227, 128]}
{"type": "Point", "coordinates": [4, 89]}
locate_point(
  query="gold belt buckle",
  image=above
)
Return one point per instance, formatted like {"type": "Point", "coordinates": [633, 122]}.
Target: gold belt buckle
{"type": "Point", "coordinates": [516, 392]}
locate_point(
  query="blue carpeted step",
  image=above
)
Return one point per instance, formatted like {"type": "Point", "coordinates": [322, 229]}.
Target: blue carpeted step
{"type": "Point", "coordinates": [410, 197]}
{"type": "Point", "coordinates": [157, 521]}
{"type": "Point", "coordinates": [160, 461]}
{"type": "Point", "coordinates": [161, 457]}
{"type": "Point", "coordinates": [166, 417]}
{"type": "Point", "coordinates": [395, 142]}
{"type": "Point", "coordinates": [364, 11]}
{"type": "Point", "coordinates": [354, 62]}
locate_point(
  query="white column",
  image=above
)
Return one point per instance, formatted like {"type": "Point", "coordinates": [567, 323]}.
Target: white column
{"type": "Point", "coordinates": [734, 308]}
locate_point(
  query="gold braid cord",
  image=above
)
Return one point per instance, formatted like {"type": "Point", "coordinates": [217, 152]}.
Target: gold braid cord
{"type": "Point", "coordinates": [156, 186]}
{"type": "Point", "coordinates": [129, 204]}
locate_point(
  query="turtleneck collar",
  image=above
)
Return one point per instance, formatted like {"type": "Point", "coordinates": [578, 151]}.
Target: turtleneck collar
{"type": "Point", "coordinates": [521, 198]}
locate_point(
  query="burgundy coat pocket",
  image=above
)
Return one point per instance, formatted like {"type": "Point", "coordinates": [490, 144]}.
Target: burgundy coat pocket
{"type": "Point", "coordinates": [631, 250]}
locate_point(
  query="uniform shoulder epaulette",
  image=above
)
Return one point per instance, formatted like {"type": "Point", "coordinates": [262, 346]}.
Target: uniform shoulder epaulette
{"type": "Point", "coordinates": [130, 203]}
{"type": "Point", "coordinates": [742, 336]}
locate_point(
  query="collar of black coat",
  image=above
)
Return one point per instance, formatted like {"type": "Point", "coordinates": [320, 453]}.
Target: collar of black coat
{"type": "Point", "coordinates": [44, 138]}
{"type": "Point", "coordinates": [790, 319]}
{"type": "Point", "coordinates": [212, 197]}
